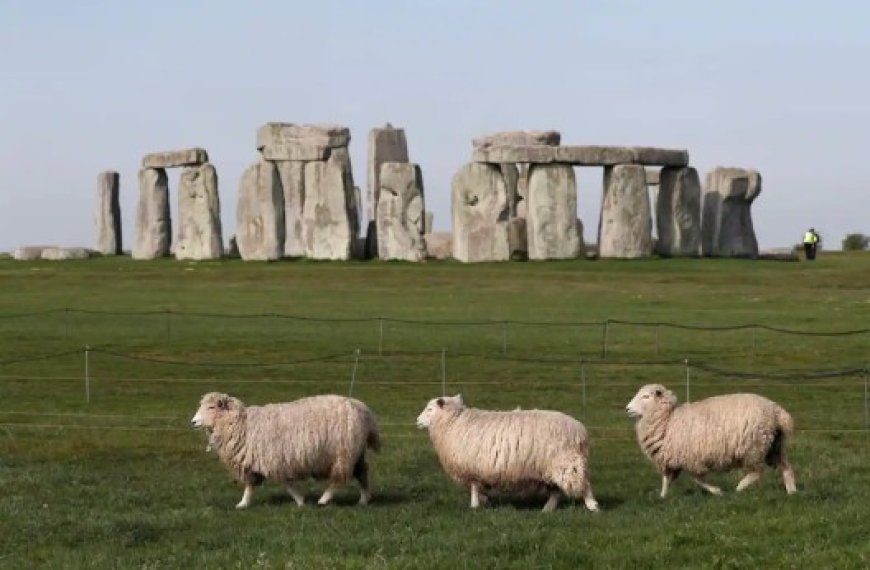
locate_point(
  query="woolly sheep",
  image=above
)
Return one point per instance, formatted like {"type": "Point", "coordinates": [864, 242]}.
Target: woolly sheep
{"type": "Point", "coordinates": [323, 437]}
{"type": "Point", "coordinates": [526, 450]}
{"type": "Point", "coordinates": [712, 435]}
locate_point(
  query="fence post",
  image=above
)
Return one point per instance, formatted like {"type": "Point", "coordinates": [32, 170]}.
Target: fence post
{"type": "Point", "coordinates": [87, 350]}
{"type": "Point", "coordinates": [443, 371]}
{"type": "Point", "coordinates": [583, 381]}
{"type": "Point", "coordinates": [380, 336]}
{"type": "Point", "coordinates": [353, 372]}
{"type": "Point", "coordinates": [504, 326]}
{"type": "Point", "coordinates": [604, 339]}
{"type": "Point", "coordinates": [688, 383]}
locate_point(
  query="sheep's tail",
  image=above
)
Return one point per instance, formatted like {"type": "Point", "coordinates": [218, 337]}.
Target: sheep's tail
{"type": "Point", "coordinates": [373, 437]}
{"type": "Point", "coordinates": [784, 422]}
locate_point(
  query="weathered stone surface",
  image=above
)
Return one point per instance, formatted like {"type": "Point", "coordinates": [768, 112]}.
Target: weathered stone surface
{"type": "Point", "coordinates": [507, 154]}
{"type": "Point", "coordinates": [518, 238]}
{"type": "Point", "coordinates": [292, 174]}
{"type": "Point", "coordinates": [653, 176]}
{"type": "Point", "coordinates": [522, 196]}
{"type": "Point", "coordinates": [480, 214]}
{"type": "Point", "coordinates": [582, 155]}
{"type": "Point", "coordinates": [511, 175]}
{"type": "Point", "coordinates": [552, 212]}
{"type": "Point", "coordinates": [678, 212]}
{"type": "Point", "coordinates": [173, 158]}
{"type": "Point", "coordinates": [153, 221]}
{"type": "Point", "coordinates": [29, 252]}
{"type": "Point", "coordinates": [439, 245]}
{"type": "Point", "coordinates": [625, 227]}
{"type": "Point", "coordinates": [399, 214]}
{"type": "Point", "coordinates": [428, 221]}
{"type": "Point", "coordinates": [387, 144]}
{"type": "Point", "coordinates": [107, 217]}
{"type": "Point", "coordinates": [726, 222]}
{"type": "Point", "coordinates": [287, 141]}
{"type": "Point", "coordinates": [199, 214]}
{"type": "Point", "coordinates": [260, 213]}
{"type": "Point", "coordinates": [341, 158]}
{"type": "Point", "coordinates": [518, 138]}
{"type": "Point", "coordinates": [327, 221]}
{"type": "Point", "coordinates": [64, 253]}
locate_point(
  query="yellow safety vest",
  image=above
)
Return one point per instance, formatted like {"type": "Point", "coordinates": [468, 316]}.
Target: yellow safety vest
{"type": "Point", "coordinates": [810, 237]}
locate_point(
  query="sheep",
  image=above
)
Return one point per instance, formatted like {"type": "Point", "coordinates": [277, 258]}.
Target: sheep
{"type": "Point", "coordinates": [323, 437]}
{"type": "Point", "coordinates": [712, 435]}
{"type": "Point", "coordinates": [525, 451]}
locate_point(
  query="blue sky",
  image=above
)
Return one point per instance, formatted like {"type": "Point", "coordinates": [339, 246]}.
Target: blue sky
{"type": "Point", "coordinates": [92, 85]}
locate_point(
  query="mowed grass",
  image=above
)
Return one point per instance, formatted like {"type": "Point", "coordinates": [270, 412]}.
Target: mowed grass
{"type": "Point", "coordinates": [122, 482]}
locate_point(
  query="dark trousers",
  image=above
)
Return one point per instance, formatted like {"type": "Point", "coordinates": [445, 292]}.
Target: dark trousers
{"type": "Point", "coordinates": [810, 251]}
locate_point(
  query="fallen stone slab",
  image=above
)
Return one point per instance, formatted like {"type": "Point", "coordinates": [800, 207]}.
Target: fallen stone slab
{"type": "Point", "coordinates": [29, 252]}
{"type": "Point", "coordinates": [288, 141]}
{"type": "Point", "coordinates": [64, 253]}
{"type": "Point", "coordinates": [518, 138]}
{"type": "Point", "coordinates": [174, 158]}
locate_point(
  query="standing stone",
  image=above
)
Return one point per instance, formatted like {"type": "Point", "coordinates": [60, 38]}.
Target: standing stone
{"type": "Point", "coordinates": [480, 214]}
{"type": "Point", "coordinates": [625, 227]}
{"type": "Point", "coordinates": [260, 213]}
{"type": "Point", "coordinates": [386, 144]}
{"type": "Point", "coordinates": [327, 219]}
{"type": "Point", "coordinates": [678, 212]}
{"type": "Point", "coordinates": [108, 214]}
{"type": "Point", "coordinates": [153, 222]}
{"type": "Point", "coordinates": [522, 197]}
{"type": "Point", "coordinates": [439, 245]}
{"type": "Point", "coordinates": [399, 214]}
{"type": "Point", "coordinates": [511, 176]}
{"type": "Point", "coordinates": [518, 238]}
{"type": "Point", "coordinates": [292, 174]}
{"type": "Point", "coordinates": [199, 214]}
{"type": "Point", "coordinates": [552, 212]}
{"type": "Point", "coordinates": [726, 224]}
{"type": "Point", "coordinates": [428, 221]}
{"type": "Point", "coordinates": [233, 248]}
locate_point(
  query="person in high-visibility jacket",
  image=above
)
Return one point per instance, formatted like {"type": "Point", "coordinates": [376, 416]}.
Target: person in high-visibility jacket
{"type": "Point", "coordinates": [811, 240]}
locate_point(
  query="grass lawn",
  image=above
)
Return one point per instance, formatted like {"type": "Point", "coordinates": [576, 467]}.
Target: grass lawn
{"type": "Point", "coordinates": [120, 481]}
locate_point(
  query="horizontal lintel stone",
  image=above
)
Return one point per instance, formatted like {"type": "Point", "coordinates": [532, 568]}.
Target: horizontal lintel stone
{"type": "Point", "coordinates": [174, 158]}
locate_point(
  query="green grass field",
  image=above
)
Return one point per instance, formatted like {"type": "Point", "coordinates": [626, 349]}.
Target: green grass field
{"type": "Point", "coordinates": [122, 482]}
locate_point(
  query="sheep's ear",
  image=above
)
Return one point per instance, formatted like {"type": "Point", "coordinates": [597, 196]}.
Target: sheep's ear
{"type": "Point", "coordinates": [459, 398]}
{"type": "Point", "coordinates": [440, 402]}
{"type": "Point", "coordinates": [658, 393]}
{"type": "Point", "coordinates": [223, 403]}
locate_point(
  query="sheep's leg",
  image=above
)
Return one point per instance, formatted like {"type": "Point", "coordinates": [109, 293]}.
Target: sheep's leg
{"type": "Point", "coordinates": [361, 474]}
{"type": "Point", "coordinates": [553, 501]}
{"type": "Point", "coordinates": [712, 489]}
{"type": "Point", "coordinates": [668, 477]}
{"type": "Point", "coordinates": [478, 499]}
{"type": "Point", "coordinates": [246, 496]}
{"type": "Point", "coordinates": [787, 476]}
{"type": "Point", "coordinates": [589, 499]}
{"type": "Point", "coordinates": [328, 494]}
{"type": "Point", "coordinates": [296, 495]}
{"type": "Point", "coordinates": [748, 479]}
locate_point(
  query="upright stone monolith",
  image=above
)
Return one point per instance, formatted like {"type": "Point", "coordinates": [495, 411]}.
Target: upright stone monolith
{"type": "Point", "coordinates": [480, 214]}
{"type": "Point", "coordinates": [107, 218]}
{"type": "Point", "coordinates": [327, 220]}
{"type": "Point", "coordinates": [625, 226]}
{"type": "Point", "coordinates": [260, 213]}
{"type": "Point", "coordinates": [387, 144]}
{"type": "Point", "coordinates": [199, 214]}
{"type": "Point", "coordinates": [153, 221]}
{"type": "Point", "coordinates": [292, 174]}
{"type": "Point", "coordinates": [726, 219]}
{"type": "Point", "coordinates": [678, 212]}
{"type": "Point", "coordinates": [551, 222]}
{"type": "Point", "coordinates": [399, 216]}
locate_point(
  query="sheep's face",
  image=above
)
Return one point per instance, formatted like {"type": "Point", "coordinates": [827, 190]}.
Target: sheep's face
{"type": "Point", "coordinates": [650, 398]}
{"type": "Point", "coordinates": [212, 406]}
{"type": "Point", "coordinates": [437, 406]}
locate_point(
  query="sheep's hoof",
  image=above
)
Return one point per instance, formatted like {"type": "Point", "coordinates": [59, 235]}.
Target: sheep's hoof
{"type": "Point", "coordinates": [242, 505]}
{"type": "Point", "coordinates": [592, 506]}
{"type": "Point", "coordinates": [715, 491]}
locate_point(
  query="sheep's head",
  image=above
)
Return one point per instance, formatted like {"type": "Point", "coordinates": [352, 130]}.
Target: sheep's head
{"type": "Point", "coordinates": [211, 407]}
{"type": "Point", "coordinates": [438, 406]}
{"type": "Point", "coordinates": [649, 399]}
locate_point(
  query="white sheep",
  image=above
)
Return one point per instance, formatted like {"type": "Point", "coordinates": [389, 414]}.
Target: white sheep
{"type": "Point", "coordinates": [525, 450]}
{"type": "Point", "coordinates": [717, 434]}
{"type": "Point", "coordinates": [322, 437]}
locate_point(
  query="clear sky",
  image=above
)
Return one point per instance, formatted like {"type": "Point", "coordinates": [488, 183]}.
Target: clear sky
{"type": "Point", "coordinates": [780, 86]}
